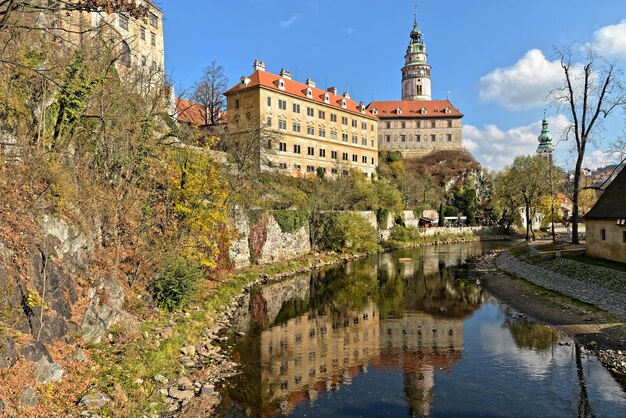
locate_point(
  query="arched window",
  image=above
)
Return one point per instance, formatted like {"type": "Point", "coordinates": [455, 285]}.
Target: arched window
{"type": "Point", "coordinates": [125, 55]}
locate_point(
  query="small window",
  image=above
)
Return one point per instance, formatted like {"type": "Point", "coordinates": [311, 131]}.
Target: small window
{"type": "Point", "coordinates": [603, 234]}
{"type": "Point", "coordinates": [269, 121]}
{"type": "Point", "coordinates": [364, 159]}
{"type": "Point", "coordinates": [624, 237]}
{"type": "Point", "coordinates": [142, 33]}
{"type": "Point", "coordinates": [154, 20]}
{"type": "Point", "coordinates": [296, 149]}
{"type": "Point", "coordinates": [282, 166]}
{"type": "Point", "coordinates": [355, 158]}
{"type": "Point", "coordinates": [322, 114]}
{"type": "Point", "coordinates": [282, 146]}
{"type": "Point", "coordinates": [269, 101]}
{"type": "Point", "coordinates": [152, 38]}
{"type": "Point", "coordinates": [123, 22]}
{"type": "Point", "coordinates": [322, 153]}
{"type": "Point", "coordinates": [236, 103]}
{"type": "Point", "coordinates": [310, 151]}
{"type": "Point", "coordinates": [296, 108]}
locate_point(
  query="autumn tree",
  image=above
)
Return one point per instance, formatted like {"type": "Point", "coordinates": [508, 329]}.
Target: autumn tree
{"type": "Point", "coordinates": [523, 185]}
{"type": "Point", "coordinates": [209, 91]}
{"type": "Point", "coordinates": [590, 94]}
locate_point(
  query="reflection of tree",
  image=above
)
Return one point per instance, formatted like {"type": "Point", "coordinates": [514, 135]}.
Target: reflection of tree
{"type": "Point", "coordinates": [527, 334]}
{"type": "Point", "coordinates": [584, 408]}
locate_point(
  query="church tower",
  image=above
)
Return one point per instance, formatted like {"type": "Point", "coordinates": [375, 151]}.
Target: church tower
{"type": "Point", "coordinates": [545, 147]}
{"type": "Point", "coordinates": [416, 71]}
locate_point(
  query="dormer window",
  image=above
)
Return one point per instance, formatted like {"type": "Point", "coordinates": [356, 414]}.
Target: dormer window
{"type": "Point", "coordinates": [309, 92]}
{"type": "Point", "coordinates": [343, 103]}
{"type": "Point", "coordinates": [244, 81]}
{"type": "Point", "coordinates": [375, 111]}
{"type": "Point", "coordinates": [447, 110]}
{"type": "Point", "coordinates": [399, 111]}
{"type": "Point", "coordinates": [423, 111]}
{"type": "Point", "coordinates": [281, 84]}
{"type": "Point", "coordinates": [326, 98]}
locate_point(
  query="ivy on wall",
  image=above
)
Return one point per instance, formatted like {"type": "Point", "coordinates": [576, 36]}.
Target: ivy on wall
{"type": "Point", "coordinates": [290, 220]}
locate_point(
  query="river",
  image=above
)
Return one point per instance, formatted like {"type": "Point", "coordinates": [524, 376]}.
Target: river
{"type": "Point", "coordinates": [406, 333]}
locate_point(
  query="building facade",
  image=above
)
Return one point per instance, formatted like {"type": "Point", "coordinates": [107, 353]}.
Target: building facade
{"type": "Point", "coordinates": [138, 40]}
{"type": "Point", "coordinates": [417, 125]}
{"type": "Point", "coordinates": [304, 130]}
{"type": "Point", "coordinates": [606, 222]}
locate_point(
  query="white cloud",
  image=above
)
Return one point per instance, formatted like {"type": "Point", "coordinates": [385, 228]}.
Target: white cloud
{"type": "Point", "coordinates": [291, 20]}
{"type": "Point", "coordinates": [496, 148]}
{"type": "Point", "coordinates": [610, 40]}
{"type": "Point", "coordinates": [525, 84]}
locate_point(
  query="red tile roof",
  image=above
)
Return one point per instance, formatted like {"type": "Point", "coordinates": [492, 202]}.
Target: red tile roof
{"type": "Point", "coordinates": [295, 88]}
{"type": "Point", "coordinates": [190, 112]}
{"type": "Point", "coordinates": [412, 109]}
{"type": "Point", "coordinates": [193, 113]}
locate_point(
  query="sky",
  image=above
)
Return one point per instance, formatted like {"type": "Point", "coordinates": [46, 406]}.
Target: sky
{"type": "Point", "coordinates": [494, 59]}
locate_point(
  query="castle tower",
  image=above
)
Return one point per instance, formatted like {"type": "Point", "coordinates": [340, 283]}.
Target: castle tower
{"type": "Point", "coordinates": [545, 147]}
{"type": "Point", "coordinates": [416, 71]}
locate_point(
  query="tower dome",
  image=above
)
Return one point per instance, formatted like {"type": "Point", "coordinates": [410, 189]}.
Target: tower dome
{"type": "Point", "coordinates": [416, 83]}
{"type": "Point", "coordinates": [545, 141]}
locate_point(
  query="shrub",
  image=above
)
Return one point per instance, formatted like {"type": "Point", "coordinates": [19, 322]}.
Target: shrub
{"type": "Point", "coordinates": [290, 220]}
{"type": "Point", "coordinates": [175, 282]}
{"type": "Point", "coordinates": [405, 234]}
{"type": "Point", "coordinates": [399, 233]}
{"type": "Point", "coordinates": [349, 233]}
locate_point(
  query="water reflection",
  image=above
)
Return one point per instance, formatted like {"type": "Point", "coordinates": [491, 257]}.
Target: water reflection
{"type": "Point", "coordinates": [397, 314]}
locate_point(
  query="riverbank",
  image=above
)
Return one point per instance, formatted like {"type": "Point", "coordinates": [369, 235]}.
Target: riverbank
{"type": "Point", "coordinates": [602, 331]}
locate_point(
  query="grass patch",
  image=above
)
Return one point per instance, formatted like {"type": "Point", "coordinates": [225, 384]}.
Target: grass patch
{"type": "Point", "coordinates": [582, 258]}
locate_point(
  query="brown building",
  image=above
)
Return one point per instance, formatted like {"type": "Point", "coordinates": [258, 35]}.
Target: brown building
{"type": "Point", "coordinates": [606, 222]}
{"type": "Point", "coordinates": [304, 128]}
{"type": "Point", "coordinates": [417, 125]}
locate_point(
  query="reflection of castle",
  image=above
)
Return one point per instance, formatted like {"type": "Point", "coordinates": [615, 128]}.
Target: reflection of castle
{"type": "Point", "coordinates": [308, 353]}
{"type": "Point", "coordinates": [310, 350]}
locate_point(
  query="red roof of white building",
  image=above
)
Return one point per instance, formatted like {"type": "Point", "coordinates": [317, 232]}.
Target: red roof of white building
{"type": "Point", "coordinates": [414, 109]}
{"type": "Point", "coordinates": [193, 113]}
{"type": "Point", "coordinates": [300, 90]}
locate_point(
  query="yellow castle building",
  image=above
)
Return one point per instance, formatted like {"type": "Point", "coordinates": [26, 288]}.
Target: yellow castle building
{"type": "Point", "coordinates": [304, 130]}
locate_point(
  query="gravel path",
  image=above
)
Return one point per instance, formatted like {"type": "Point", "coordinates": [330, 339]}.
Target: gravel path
{"type": "Point", "coordinates": [586, 291]}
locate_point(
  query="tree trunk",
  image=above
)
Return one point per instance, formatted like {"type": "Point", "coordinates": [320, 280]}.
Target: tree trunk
{"type": "Point", "coordinates": [575, 195]}
{"type": "Point", "coordinates": [528, 222]}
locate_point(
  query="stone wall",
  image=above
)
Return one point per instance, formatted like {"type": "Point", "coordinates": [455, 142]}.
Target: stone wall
{"type": "Point", "coordinates": [277, 245]}
{"type": "Point", "coordinates": [613, 246]}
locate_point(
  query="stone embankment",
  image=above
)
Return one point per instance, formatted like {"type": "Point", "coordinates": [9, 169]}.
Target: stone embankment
{"type": "Point", "coordinates": [588, 290]}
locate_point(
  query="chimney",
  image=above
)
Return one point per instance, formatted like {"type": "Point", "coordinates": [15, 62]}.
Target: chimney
{"type": "Point", "coordinates": [332, 90]}
{"type": "Point", "coordinates": [258, 65]}
{"type": "Point", "coordinates": [285, 74]}
{"type": "Point", "coordinates": [310, 82]}
{"type": "Point", "coordinates": [346, 95]}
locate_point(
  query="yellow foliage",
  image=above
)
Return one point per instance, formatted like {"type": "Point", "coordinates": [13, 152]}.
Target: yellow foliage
{"type": "Point", "coordinates": [35, 300]}
{"type": "Point", "coordinates": [197, 200]}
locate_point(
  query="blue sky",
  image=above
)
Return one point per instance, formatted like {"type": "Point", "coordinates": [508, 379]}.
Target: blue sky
{"type": "Point", "coordinates": [494, 57]}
